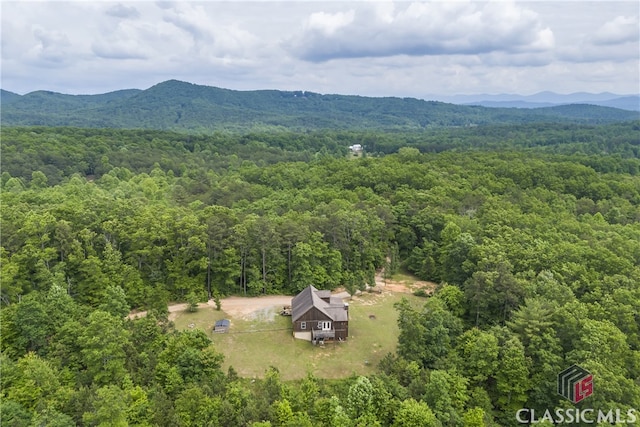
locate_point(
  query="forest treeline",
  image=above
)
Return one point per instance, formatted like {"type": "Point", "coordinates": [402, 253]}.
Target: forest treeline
{"type": "Point", "coordinates": [536, 250]}
{"type": "Point", "coordinates": [61, 152]}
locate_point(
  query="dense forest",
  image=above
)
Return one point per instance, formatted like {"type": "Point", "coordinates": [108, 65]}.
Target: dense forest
{"type": "Point", "coordinates": [182, 106]}
{"type": "Point", "coordinates": [532, 232]}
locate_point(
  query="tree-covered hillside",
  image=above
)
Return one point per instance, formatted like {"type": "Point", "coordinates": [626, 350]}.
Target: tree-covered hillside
{"type": "Point", "coordinates": [532, 233]}
{"type": "Point", "coordinates": [175, 105]}
{"type": "Point", "coordinates": [7, 97]}
{"type": "Point", "coordinates": [61, 152]}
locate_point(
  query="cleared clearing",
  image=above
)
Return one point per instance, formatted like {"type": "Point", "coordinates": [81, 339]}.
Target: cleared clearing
{"type": "Point", "coordinates": [259, 337]}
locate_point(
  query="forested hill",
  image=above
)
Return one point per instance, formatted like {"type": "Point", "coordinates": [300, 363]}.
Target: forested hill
{"type": "Point", "coordinates": [7, 97]}
{"type": "Point", "coordinates": [532, 233]}
{"type": "Point", "coordinates": [175, 105]}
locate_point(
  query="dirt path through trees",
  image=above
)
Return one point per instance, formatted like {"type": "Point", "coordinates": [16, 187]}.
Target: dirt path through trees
{"type": "Point", "coordinates": [236, 306]}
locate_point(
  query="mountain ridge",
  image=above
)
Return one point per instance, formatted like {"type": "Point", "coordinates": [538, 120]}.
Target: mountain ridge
{"type": "Point", "coordinates": [548, 99]}
{"type": "Point", "coordinates": [179, 105]}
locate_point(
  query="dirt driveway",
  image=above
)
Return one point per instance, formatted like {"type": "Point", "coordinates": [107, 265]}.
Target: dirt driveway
{"type": "Point", "coordinates": [246, 307]}
{"type": "Point", "coordinates": [233, 306]}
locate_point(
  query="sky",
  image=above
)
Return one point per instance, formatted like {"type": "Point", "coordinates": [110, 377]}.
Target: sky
{"type": "Point", "coordinates": [421, 49]}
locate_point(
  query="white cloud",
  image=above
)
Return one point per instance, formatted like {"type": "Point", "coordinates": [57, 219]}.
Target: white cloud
{"type": "Point", "coordinates": [367, 48]}
{"type": "Point", "coordinates": [617, 40]}
{"type": "Point", "coordinates": [623, 29]}
{"type": "Point", "coordinates": [191, 18]}
{"type": "Point", "coordinates": [327, 23]}
{"type": "Point", "coordinates": [212, 41]}
{"type": "Point", "coordinates": [51, 48]}
{"type": "Point", "coordinates": [419, 29]}
{"type": "Point", "coordinates": [121, 11]}
{"type": "Point", "coordinates": [118, 49]}
{"type": "Point", "coordinates": [132, 40]}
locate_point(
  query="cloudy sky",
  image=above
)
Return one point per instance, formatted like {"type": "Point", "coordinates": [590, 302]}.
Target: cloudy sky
{"type": "Point", "coordinates": [373, 48]}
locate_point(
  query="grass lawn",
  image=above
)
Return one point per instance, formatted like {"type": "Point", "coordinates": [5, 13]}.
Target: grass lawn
{"type": "Point", "coordinates": [252, 345]}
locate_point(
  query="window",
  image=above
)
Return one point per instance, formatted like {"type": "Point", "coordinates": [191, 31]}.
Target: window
{"type": "Point", "coordinates": [303, 325]}
{"type": "Point", "coordinates": [325, 326]}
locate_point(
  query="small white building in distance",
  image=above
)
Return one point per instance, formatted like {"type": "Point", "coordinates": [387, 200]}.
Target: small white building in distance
{"type": "Point", "coordinates": [355, 148]}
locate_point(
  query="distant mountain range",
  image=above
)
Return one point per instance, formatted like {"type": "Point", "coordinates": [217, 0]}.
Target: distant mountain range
{"type": "Point", "coordinates": [548, 99]}
{"type": "Point", "coordinates": [178, 105]}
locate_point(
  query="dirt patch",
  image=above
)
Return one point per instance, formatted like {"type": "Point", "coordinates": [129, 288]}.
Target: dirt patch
{"type": "Point", "coordinates": [263, 308]}
{"type": "Point", "coordinates": [397, 287]}
{"type": "Point", "coordinates": [403, 287]}
{"type": "Point", "coordinates": [266, 307]}
{"type": "Point", "coordinates": [249, 308]}
{"type": "Point", "coordinates": [267, 314]}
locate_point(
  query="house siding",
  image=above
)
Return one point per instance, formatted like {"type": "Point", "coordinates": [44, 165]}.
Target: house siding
{"type": "Point", "coordinates": [342, 330]}
{"type": "Point", "coordinates": [311, 308]}
{"type": "Point", "coordinates": [311, 317]}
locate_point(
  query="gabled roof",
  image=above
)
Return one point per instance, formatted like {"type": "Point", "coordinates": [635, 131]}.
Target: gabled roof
{"type": "Point", "coordinates": [304, 301]}
{"type": "Point", "coordinates": [311, 297]}
{"type": "Point", "coordinates": [323, 293]}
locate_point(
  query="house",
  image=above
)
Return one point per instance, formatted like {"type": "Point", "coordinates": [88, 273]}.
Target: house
{"type": "Point", "coordinates": [317, 316]}
{"type": "Point", "coordinates": [222, 326]}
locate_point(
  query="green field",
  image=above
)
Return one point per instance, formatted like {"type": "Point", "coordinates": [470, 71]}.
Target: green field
{"type": "Point", "coordinates": [252, 345]}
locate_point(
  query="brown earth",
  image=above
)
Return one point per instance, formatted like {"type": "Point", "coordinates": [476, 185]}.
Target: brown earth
{"type": "Point", "coordinates": [234, 306]}
{"type": "Point", "coordinates": [248, 307]}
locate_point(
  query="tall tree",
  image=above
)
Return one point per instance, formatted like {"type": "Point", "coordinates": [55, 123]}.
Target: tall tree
{"type": "Point", "coordinates": [109, 408]}
{"type": "Point", "coordinates": [415, 414]}
{"type": "Point", "coordinates": [479, 352]}
{"type": "Point", "coordinates": [512, 379]}
{"type": "Point", "coordinates": [446, 394]}
{"type": "Point", "coordinates": [103, 341]}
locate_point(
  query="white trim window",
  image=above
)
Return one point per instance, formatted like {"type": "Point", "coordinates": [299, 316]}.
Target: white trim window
{"type": "Point", "coordinates": [325, 326]}
{"type": "Point", "coordinates": [303, 325]}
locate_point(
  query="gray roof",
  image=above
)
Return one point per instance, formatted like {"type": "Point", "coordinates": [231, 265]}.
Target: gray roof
{"type": "Point", "coordinates": [223, 322]}
{"type": "Point", "coordinates": [338, 314]}
{"type": "Point", "coordinates": [311, 297]}
{"type": "Point", "coordinates": [323, 293]}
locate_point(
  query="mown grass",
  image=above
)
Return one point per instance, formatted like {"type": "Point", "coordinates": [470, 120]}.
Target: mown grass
{"type": "Point", "coordinates": [252, 345]}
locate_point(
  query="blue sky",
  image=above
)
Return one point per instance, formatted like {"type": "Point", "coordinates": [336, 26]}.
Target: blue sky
{"type": "Point", "coordinates": [415, 49]}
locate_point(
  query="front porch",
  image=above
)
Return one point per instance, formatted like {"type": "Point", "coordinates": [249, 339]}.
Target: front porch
{"type": "Point", "coordinates": [321, 335]}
